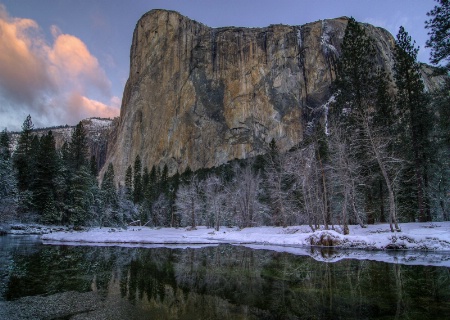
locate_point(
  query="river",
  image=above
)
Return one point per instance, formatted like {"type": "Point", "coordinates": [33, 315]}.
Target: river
{"type": "Point", "coordinates": [215, 282]}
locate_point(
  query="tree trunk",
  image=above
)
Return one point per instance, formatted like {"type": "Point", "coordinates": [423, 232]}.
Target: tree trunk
{"type": "Point", "coordinates": [355, 210]}
{"type": "Point", "coordinates": [217, 220]}
{"type": "Point", "coordinates": [193, 213]}
{"type": "Point", "coordinates": [324, 193]}
{"type": "Point", "coordinates": [381, 164]}
{"type": "Point", "coordinates": [419, 181]}
{"type": "Point", "coordinates": [382, 217]}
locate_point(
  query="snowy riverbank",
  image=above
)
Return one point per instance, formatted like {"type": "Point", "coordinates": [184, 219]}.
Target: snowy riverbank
{"type": "Point", "coordinates": [433, 236]}
{"type": "Point", "coordinates": [30, 229]}
{"type": "Point", "coordinates": [417, 244]}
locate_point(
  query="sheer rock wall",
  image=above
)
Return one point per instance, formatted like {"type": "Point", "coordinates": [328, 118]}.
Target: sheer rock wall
{"type": "Point", "coordinates": [198, 96]}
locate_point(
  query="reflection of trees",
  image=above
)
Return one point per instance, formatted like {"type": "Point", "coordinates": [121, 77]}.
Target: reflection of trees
{"type": "Point", "coordinates": [230, 282]}
{"type": "Point", "coordinates": [352, 289]}
{"type": "Point", "coordinates": [149, 273]}
{"type": "Point", "coordinates": [58, 269]}
{"type": "Point", "coordinates": [397, 269]}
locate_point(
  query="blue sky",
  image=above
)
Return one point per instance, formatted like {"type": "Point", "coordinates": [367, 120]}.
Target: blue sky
{"type": "Point", "coordinates": [65, 60]}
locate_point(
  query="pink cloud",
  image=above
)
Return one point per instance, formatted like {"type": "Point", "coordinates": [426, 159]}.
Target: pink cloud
{"type": "Point", "coordinates": [76, 65]}
{"type": "Point", "coordinates": [23, 66]}
{"type": "Point", "coordinates": [51, 81]}
{"type": "Point", "coordinates": [83, 107]}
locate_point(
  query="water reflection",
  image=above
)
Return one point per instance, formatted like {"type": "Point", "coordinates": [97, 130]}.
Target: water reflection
{"type": "Point", "coordinates": [223, 282]}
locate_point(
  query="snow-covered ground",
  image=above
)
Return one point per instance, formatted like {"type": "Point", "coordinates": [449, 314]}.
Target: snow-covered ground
{"type": "Point", "coordinates": [419, 243]}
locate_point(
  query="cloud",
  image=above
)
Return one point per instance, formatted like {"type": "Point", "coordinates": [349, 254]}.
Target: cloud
{"type": "Point", "coordinates": [55, 31]}
{"type": "Point", "coordinates": [23, 66]}
{"type": "Point", "coordinates": [51, 81]}
{"type": "Point", "coordinates": [73, 64]}
{"type": "Point", "coordinates": [84, 107]}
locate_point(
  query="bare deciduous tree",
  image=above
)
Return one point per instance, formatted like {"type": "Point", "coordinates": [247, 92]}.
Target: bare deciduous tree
{"type": "Point", "coordinates": [244, 192]}
{"type": "Point", "coordinates": [215, 200]}
{"type": "Point", "coordinates": [307, 175]}
{"type": "Point", "coordinates": [346, 174]}
{"type": "Point", "coordinates": [160, 210]}
{"type": "Point", "coordinates": [188, 202]}
{"type": "Point", "coordinates": [279, 183]}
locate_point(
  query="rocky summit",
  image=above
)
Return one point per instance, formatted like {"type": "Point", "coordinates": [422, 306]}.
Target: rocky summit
{"type": "Point", "coordinates": [198, 96]}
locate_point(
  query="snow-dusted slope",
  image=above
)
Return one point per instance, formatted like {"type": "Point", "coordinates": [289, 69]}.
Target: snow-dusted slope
{"type": "Point", "coordinates": [97, 132]}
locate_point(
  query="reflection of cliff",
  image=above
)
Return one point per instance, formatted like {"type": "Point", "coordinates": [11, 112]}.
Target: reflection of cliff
{"type": "Point", "coordinates": [227, 282]}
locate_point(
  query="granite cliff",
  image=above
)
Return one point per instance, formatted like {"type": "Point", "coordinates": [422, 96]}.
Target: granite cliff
{"type": "Point", "coordinates": [198, 96]}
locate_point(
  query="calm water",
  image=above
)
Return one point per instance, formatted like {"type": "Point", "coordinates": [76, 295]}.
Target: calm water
{"type": "Point", "coordinates": [223, 282]}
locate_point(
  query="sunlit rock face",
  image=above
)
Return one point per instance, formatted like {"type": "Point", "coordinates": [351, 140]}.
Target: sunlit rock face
{"type": "Point", "coordinates": [198, 96]}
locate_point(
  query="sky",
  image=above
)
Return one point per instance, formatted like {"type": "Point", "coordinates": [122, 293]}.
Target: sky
{"type": "Point", "coordinates": [62, 61]}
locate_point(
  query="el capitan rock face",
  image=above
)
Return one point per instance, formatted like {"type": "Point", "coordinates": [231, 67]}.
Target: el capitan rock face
{"type": "Point", "coordinates": [199, 96]}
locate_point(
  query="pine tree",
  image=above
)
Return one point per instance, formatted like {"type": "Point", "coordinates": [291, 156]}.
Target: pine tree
{"type": "Point", "coordinates": [145, 181]}
{"type": "Point", "coordinates": [47, 170]}
{"type": "Point", "coordinates": [149, 183]}
{"type": "Point", "coordinates": [137, 180]}
{"type": "Point", "coordinates": [414, 117]}
{"type": "Point", "coordinates": [23, 155]}
{"type": "Point", "coordinates": [78, 147]}
{"type": "Point", "coordinates": [80, 183]}
{"type": "Point", "coordinates": [8, 182]}
{"type": "Point", "coordinates": [80, 197]}
{"type": "Point", "coordinates": [109, 200]}
{"type": "Point", "coordinates": [356, 70]}
{"type": "Point", "coordinates": [187, 173]}
{"type": "Point", "coordinates": [50, 212]}
{"type": "Point", "coordinates": [65, 153]}
{"type": "Point", "coordinates": [273, 149]}
{"type": "Point", "coordinates": [5, 152]}
{"type": "Point", "coordinates": [384, 115]}
{"type": "Point", "coordinates": [63, 179]}
{"type": "Point", "coordinates": [32, 162]}
{"type": "Point", "coordinates": [439, 32]}
{"type": "Point", "coordinates": [439, 26]}
{"type": "Point", "coordinates": [153, 175]}
{"type": "Point", "coordinates": [355, 87]}
{"type": "Point", "coordinates": [154, 183]}
{"type": "Point", "coordinates": [129, 183]}
{"type": "Point", "coordinates": [93, 166]}
{"type": "Point", "coordinates": [440, 161]}
{"type": "Point", "coordinates": [164, 180]}
{"type": "Point", "coordinates": [108, 187]}
{"type": "Point", "coordinates": [355, 84]}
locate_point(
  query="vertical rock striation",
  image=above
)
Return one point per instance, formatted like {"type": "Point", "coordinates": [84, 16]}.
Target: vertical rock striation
{"type": "Point", "coordinates": [199, 96]}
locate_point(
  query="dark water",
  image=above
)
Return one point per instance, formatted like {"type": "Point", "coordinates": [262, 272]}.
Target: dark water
{"type": "Point", "coordinates": [223, 282]}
